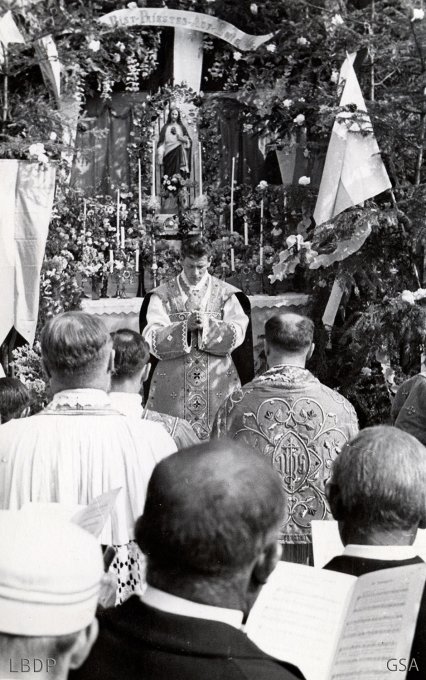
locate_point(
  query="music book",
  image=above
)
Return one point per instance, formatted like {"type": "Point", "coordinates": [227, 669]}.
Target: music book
{"type": "Point", "coordinates": [335, 626]}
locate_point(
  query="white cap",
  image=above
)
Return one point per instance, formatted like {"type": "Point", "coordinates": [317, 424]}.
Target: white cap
{"type": "Point", "coordinates": [50, 574]}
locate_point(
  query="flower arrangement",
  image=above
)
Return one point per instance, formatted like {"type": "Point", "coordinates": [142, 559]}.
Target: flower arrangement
{"type": "Point", "coordinates": [28, 369]}
{"type": "Point", "coordinates": [174, 184]}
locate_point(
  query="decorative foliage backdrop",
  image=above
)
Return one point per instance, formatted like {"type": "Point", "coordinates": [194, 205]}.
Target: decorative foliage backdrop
{"type": "Point", "coordinates": [288, 91]}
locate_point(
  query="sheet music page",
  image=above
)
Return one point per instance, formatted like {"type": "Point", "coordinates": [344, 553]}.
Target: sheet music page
{"type": "Point", "coordinates": [379, 624]}
{"type": "Point", "coordinates": [94, 516]}
{"type": "Point", "coordinates": [299, 614]}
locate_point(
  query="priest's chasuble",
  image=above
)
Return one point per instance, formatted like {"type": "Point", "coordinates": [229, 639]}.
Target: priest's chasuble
{"type": "Point", "coordinates": [195, 371]}
{"type": "Point", "coordinates": [299, 425]}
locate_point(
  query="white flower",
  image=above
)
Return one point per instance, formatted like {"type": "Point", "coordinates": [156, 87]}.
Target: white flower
{"type": "Point", "coordinates": [418, 14]}
{"type": "Point", "coordinates": [43, 158]}
{"type": "Point", "coordinates": [302, 41]}
{"type": "Point", "coordinates": [304, 181]}
{"type": "Point", "coordinates": [116, 58]}
{"type": "Point", "coordinates": [94, 45]}
{"type": "Point", "coordinates": [366, 371]}
{"type": "Point", "coordinates": [53, 136]}
{"type": "Point", "coordinates": [271, 47]}
{"type": "Point", "coordinates": [337, 20]}
{"type": "Point", "coordinates": [131, 5]}
{"type": "Point", "coordinates": [253, 8]}
{"type": "Point", "coordinates": [299, 120]}
{"type": "Point", "coordinates": [408, 296]}
{"type": "Point", "coordinates": [263, 184]}
{"type": "Point", "coordinates": [120, 46]}
{"type": "Point", "coordinates": [420, 294]}
{"type": "Point", "coordinates": [237, 56]}
{"type": "Point", "coordinates": [287, 103]}
{"type": "Point", "coordinates": [334, 76]}
{"type": "Point", "coordinates": [36, 149]}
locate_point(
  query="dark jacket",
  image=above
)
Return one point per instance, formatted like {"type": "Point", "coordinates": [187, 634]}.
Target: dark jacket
{"type": "Point", "coordinates": [357, 566]}
{"type": "Point", "coordinates": [137, 642]}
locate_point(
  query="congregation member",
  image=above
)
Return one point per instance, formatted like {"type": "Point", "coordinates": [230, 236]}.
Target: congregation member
{"type": "Point", "coordinates": [14, 399]}
{"type": "Point", "coordinates": [50, 577]}
{"type": "Point", "coordinates": [131, 368]}
{"type": "Point", "coordinates": [409, 407]}
{"type": "Point", "coordinates": [198, 330]}
{"type": "Point", "coordinates": [377, 494]}
{"type": "Point", "coordinates": [80, 447]}
{"type": "Point", "coordinates": [296, 423]}
{"type": "Point", "coordinates": [210, 533]}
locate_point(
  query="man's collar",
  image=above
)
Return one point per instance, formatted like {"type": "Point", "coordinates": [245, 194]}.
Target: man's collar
{"type": "Point", "coordinates": [199, 285]}
{"type": "Point", "coordinates": [172, 604]}
{"type": "Point", "coordinates": [129, 403]}
{"type": "Point", "coordinates": [380, 552]}
{"type": "Point", "coordinates": [79, 398]}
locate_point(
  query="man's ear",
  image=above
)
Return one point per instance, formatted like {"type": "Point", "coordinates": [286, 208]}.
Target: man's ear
{"type": "Point", "coordinates": [111, 366]}
{"type": "Point", "coordinates": [332, 493]}
{"type": "Point", "coordinates": [26, 412]}
{"type": "Point", "coordinates": [311, 351]}
{"type": "Point", "coordinates": [145, 372]}
{"type": "Point", "coordinates": [266, 562]}
{"type": "Point", "coordinates": [83, 644]}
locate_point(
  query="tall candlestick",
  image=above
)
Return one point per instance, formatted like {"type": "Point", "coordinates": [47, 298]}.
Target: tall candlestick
{"type": "Point", "coordinates": [117, 232]}
{"type": "Point", "coordinates": [154, 266]}
{"type": "Point", "coordinates": [84, 215]}
{"type": "Point", "coordinates": [232, 260]}
{"type": "Point", "coordinates": [261, 234]}
{"type": "Point", "coordinates": [137, 259]}
{"type": "Point", "coordinates": [111, 260]}
{"type": "Point", "coordinates": [140, 190]}
{"type": "Point", "coordinates": [232, 195]}
{"type": "Point", "coordinates": [153, 171]}
{"type": "Point", "coordinates": [245, 232]}
{"type": "Point", "coordinates": [200, 169]}
{"type": "Point", "coordinates": [123, 237]}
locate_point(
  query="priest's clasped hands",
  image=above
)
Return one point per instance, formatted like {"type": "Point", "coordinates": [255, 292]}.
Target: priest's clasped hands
{"type": "Point", "coordinates": [195, 321]}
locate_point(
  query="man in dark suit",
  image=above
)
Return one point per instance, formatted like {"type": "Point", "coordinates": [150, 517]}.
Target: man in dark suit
{"type": "Point", "coordinates": [210, 533]}
{"type": "Point", "coordinates": [378, 496]}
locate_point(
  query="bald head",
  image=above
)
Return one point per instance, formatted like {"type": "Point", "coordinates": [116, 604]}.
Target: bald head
{"type": "Point", "coordinates": [209, 510]}
{"type": "Point", "coordinates": [288, 335]}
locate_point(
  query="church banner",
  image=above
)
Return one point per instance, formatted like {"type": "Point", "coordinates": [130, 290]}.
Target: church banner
{"type": "Point", "coordinates": [193, 21]}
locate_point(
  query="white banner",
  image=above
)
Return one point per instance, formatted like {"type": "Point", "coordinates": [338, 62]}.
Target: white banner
{"type": "Point", "coordinates": [193, 21]}
{"type": "Point", "coordinates": [188, 58]}
{"type": "Point", "coordinates": [26, 197]}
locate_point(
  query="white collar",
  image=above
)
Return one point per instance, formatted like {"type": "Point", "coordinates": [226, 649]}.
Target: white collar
{"type": "Point", "coordinates": [80, 397]}
{"type": "Point", "coordinates": [128, 403]}
{"type": "Point", "coordinates": [380, 552]}
{"type": "Point", "coordinates": [199, 285]}
{"type": "Point", "coordinates": [172, 604]}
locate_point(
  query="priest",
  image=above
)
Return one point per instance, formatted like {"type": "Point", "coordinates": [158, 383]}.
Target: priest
{"type": "Point", "coordinates": [199, 332]}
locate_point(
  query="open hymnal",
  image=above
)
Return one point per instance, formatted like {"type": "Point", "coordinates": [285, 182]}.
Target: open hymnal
{"type": "Point", "coordinates": [334, 626]}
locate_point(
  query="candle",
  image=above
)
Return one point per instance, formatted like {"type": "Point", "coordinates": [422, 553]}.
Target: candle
{"type": "Point", "coordinates": [153, 171]}
{"type": "Point", "coordinates": [111, 260]}
{"type": "Point", "coordinates": [84, 215]}
{"type": "Point", "coordinates": [140, 190]}
{"type": "Point", "coordinates": [261, 256]}
{"type": "Point", "coordinates": [123, 238]}
{"type": "Point", "coordinates": [200, 161]}
{"type": "Point", "coordinates": [137, 259]}
{"type": "Point", "coordinates": [232, 260]}
{"type": "Point", "coordinates": [261, 234]}
{"type": "Point", "coordinates": [232, 195]}
{"type": "Point", "coordinates": [245, 232]}
{"type": "Point", "coordinates": [117, 233]}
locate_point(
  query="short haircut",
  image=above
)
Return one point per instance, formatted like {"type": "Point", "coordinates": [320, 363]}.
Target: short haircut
{"type": "Point", "coordinates": [208, 510]}
{"type": "Point", "coordinates": [196, 247]}
{"type": "Point", "coordinates": [131, 352]}
{"type": "Point", "coordinates": [381, 479]}
{"type": "Point", "coordinates": [14, 398]}
{"type": "Point", "coordinates": [289, 332]}
{"type": "Point", "coordinates": [73, 343]}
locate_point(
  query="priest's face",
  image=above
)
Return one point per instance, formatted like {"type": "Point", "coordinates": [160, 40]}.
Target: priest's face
{"type": "Point", "coordinates": [195, 268]}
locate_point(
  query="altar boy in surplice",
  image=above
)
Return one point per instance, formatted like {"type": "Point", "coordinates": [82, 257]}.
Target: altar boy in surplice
{"type": "Point", "coordinates": [198, 329]}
